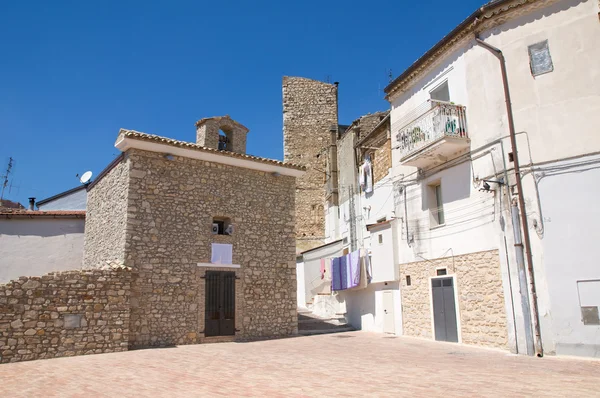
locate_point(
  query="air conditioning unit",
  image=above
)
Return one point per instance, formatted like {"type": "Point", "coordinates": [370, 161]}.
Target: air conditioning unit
{"type": "Point", "coordinates": [215, 229]}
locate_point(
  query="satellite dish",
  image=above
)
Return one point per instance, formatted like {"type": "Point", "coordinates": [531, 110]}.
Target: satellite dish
{"type": "Point", "coordinates": [86, 177]}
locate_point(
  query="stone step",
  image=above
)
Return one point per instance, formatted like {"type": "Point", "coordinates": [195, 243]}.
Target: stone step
{"type": "Point", "coordinates": [313, 332]}
{"type": "Point", "coordinates": [331, 321]}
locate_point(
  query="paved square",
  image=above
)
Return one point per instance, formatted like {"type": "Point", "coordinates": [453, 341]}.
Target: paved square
{"type": "Point", "coordinates": [343, 364]}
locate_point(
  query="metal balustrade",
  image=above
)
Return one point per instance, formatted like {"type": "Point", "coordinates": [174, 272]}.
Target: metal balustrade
{"type": "Point", "coordinates": [440, 119]}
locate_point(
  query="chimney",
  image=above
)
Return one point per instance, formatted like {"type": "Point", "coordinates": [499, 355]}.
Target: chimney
{"type": "Point", "coordinates": [31, 203]}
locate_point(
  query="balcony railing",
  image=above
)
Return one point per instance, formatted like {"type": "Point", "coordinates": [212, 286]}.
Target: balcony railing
{"type": "Point", "coordinates": [435, 120]}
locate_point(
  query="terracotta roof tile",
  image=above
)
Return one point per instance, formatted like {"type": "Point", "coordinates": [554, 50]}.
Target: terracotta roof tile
{"type": "Point", "coordinates": [40, 213]}
{"type": "Point", "coordinates": [168, 141]}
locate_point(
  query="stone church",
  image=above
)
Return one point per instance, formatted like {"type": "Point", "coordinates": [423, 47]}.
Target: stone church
{"type": "Point", "coordinates": [207, 230]}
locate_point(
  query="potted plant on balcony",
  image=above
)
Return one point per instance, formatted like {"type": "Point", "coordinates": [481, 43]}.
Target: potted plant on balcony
{"type": "Point", "coordinates": [417, 135]}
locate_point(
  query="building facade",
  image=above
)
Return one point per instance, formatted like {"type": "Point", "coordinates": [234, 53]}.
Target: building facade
{"type": "Point", "coordinates": [208, 232]}
{"type": "Point", "coordinates": [34, 243]}
{"type": "Point", "coordinates": [73, 199]}
{"type": "Point", "coordinates": [462, 247]}
{"type": "Point", "coordinates": [458, 192]}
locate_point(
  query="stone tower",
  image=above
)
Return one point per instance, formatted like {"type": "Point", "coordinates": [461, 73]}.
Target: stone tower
{"type": "Point", "coordinates": [222, 133]}
{"type": "Point", "coordinates": [309, 113]}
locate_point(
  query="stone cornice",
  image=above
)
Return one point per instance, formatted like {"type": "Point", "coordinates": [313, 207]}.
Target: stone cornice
{"type": "Point", "coordinates": [482, 20]}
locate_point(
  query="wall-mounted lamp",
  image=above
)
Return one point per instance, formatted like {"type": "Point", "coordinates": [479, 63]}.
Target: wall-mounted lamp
{"type": "Point", "coordinates": [486, 186]}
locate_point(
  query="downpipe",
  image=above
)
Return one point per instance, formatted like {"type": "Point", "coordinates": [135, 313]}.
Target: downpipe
{"type": "Point", "coordinates": [519, 252]}
{"type": "Point", "coordinates": [521, 199]}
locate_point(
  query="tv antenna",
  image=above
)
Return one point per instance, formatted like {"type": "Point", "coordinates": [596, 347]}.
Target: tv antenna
{"type": "Point", "coordinates": [390, 76]}
{"type": "Point", "coordinates": [85, 177]}
{"type": "Point", "coordinates": [5, 176]}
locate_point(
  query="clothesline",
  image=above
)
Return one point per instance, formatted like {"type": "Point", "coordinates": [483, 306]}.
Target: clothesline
{"type": "Point", "coordinates": [348, 271]}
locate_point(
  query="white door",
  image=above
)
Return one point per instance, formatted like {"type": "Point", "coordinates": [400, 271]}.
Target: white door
{"type": "Point", "coordinates": [388, 312]}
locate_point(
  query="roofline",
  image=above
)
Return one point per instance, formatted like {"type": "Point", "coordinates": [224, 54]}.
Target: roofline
{"type": "Point", "coordinates": [60, 195]}
{"type": "Point", "coordinates": [165, 145]}
{"type": "Point", "coordinates": [320, 247]}
{"type": "Point", "coordinates": [445, 40]}
{"type": "Point", "coordinates": [44, 214]}
{"type": "Point", "coordinates": [381, 123]}
{"type": "Point", "coordinates": [106, 170]}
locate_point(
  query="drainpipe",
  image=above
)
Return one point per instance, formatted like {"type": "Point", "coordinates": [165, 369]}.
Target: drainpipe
{"type": "Point", "coordinates": [525, 305]}
{"type": "Point", "coordinates": [521, 199]}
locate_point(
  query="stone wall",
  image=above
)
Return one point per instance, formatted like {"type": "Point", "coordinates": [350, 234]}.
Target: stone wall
{"type": "Point", "coordinates": [382, 161]}
{"type": "Point", "coordinates": [64, 314]}
{"type": "Point", "coordinates": [106, 217]}
{"type": "Point", "coordinates": [480, 298]}
{"type": "Point", "coordinates": [170, 213]}
{"type": "Point", "coordinates": [377, 143]}
{"type": "Point", "coordinates": [309, 111]}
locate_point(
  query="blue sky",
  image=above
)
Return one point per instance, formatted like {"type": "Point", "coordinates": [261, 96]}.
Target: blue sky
{"type": "Point", "coordinates": [73, 73]}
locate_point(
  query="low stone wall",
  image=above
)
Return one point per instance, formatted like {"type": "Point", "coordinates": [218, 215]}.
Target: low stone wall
{"type": "Point", "coordinates": [64, 314]}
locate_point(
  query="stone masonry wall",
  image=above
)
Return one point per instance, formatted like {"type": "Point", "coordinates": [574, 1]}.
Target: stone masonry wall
{"type": "Point", "coordinates": [64, 314]}
{"type": "Point", "coordinates": [480, 296]}
{"type": "Point", "coordinates": [382, 161]}
{"type": "Point", "coordinates": [309, 111]}
{"type": "Point", "coordinates": [106, 218]}
{"type": "Point", "coordinates": [170, 213]}
{"type": "Point", "coordinates": [382, 156]}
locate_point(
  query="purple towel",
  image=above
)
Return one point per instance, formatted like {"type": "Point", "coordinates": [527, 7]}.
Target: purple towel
{"type": "Point", "coordinates": [344, 263]}
{"type": "Point", "coordinates": [336, 276]}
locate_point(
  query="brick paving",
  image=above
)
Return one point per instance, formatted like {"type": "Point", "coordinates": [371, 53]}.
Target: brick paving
{"type": "Point", "coordinates": [343, 364]}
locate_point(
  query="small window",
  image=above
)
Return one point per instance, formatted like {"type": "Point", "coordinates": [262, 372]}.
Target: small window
{"type": "Point", "coordinates": [380, 238]}
{"type": "Point", "coordinates": [407, 280]}
{"type": "Point", "coordinates": [441, 92]}
{"type": "Point", "coordinates": [441, 271]}
{"type": "Point", "coordinates": [436, 205]}
{"type": "Point", "coordinates": [511, 157]}
{"type": "Point", "coordinates": [222, 226]}
{"type": "Point", "coordinates": [540, 60]}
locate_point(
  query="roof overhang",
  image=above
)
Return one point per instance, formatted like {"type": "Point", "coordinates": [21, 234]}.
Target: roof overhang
{"type": "Point", "coordinates": [44, 214]}
{"type": "Point", "coordinates": [125, 143]}
{"type": "Point", "coordinates": [485, 17]}
{"type": "Point", "coordinates": [379, 225]}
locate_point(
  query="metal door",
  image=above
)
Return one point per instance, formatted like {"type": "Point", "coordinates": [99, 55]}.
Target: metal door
{"type": "Point", "coordinates": [388, 312]}
{"type": "Point", "coordinates": [220, 304]}
{"type": "Point", "coordinates": [444, 309]}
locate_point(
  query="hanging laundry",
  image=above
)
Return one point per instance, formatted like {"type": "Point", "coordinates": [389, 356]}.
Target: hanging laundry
{"type": "Point", "coordinates": [344, 272]}
{"type": "Point", "coordinates": [355, 267]}
{"type": "Point", "coordinates": [368, 266]}
{"type": "Point", "coordinates": [368, 176]}
{"type": "Point", "coordinates": [327, 269]}
{"type": "Point", "coordinates": [336, 274]}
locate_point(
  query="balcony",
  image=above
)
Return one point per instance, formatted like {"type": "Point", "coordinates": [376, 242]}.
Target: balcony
{"type": "Point", "coordinates": [435, 132]}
